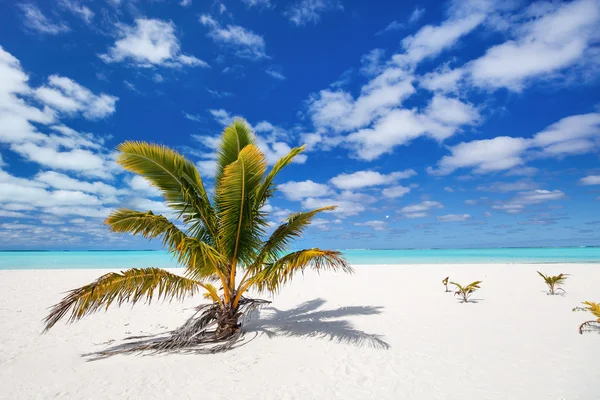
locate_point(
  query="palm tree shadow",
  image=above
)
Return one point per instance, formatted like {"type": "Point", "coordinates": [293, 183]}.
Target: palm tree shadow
{"type": "Point", "coordinates": [307, 321]}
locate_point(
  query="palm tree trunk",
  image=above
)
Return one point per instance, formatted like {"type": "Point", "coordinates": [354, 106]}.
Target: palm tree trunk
{"type": "Point", "coordinates": [227, 322]}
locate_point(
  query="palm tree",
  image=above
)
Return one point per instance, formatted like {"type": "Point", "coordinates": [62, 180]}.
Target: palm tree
{"type": "Point", "coordinates": [554, 282]}
{"type": "Point", "coordinates": [223, 240]}
{"type": "Point", "coordinates": [594, 308]}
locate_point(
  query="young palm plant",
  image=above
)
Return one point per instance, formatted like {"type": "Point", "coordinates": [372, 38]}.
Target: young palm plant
{"type": "Point", "coordinates": [554, 282]}
{"type": "Point", "coordinates": [594, 308]}
{"type": "Point", "coordinates": [445, 283]}
{"type": "Point", "coordinates": [223, 241]}
{"type": "Point", "coordinates": [465, 292]}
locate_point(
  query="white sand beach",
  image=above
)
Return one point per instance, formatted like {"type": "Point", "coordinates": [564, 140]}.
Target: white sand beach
{"type": "Point", "coordinates": [386, 332]}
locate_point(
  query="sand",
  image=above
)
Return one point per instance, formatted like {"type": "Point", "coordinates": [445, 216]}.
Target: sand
{"type": "Point", "coordinates": [324, 338]}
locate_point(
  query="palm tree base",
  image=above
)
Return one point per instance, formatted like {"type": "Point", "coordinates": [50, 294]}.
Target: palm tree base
{"type": "Point", "coordinates": [209, 330]}
{"type": "Point", "coordinates": [589, 326]}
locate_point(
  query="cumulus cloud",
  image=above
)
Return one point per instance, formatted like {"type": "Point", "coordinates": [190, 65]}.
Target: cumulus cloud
{"type": "Point", "coordinates": [362, 179]}
{"type": "Point", "coordinates": [243, 42]}
{"type": "Point", "coordinates": [395, 191]}
{"type": "Point", "coordinates": [65, 95]}
{"type": "Point", "coordinates": [485, 155]}
{"type": "Point", "coordinates": [590, 180]}
{"type": "Point", "coordinates": [301, 190]}
{"type": "Point", "coordinates": [543, 44]}
{"type": "Point", "coordinates": [149, 43]}
{"type": "Point", "coordinates": [571, 135]}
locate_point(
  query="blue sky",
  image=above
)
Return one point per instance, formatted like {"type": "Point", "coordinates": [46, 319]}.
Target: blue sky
{"type": "Point", "coordinates": [470, 123]}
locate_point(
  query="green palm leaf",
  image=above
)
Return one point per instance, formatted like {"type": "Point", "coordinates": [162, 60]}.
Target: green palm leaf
{"type": "Point", "coordinates": [239, 233]}
{"type": "Point", "coordinates": [175, 176]}
{"type": "Point", "coordinates": [284, 235]}
{"type": "Point", "coordinates": [132, 286]}
{"type": "Point", "coordinates": [273, 276]}
{"type": "Point", "coordinates": [234, 138]}
{"type": "Point", "coordinates": [267, 187]}
{"type": "Point", "coordinates": [147, 224]}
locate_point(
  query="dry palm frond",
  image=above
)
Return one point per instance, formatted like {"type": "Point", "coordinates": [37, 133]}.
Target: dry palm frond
{"type": "Point", "coordinates": [554, 282]}
{"type": "Point", "coordinates": [465, 292]}
{"type": "Point", "coordinates": [594, 308]}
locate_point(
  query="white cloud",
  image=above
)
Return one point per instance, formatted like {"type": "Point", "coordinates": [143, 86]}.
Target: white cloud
{"type": "Point", "coordinates": [485, 155]}
{"type": "Point", "coordinates": [416, 15]}
{"type": "Point", "coordinates": [544, 44]}
{"type": "Point", "coordinates": [275, 73]}
{"type": "Point", "coordinates": [68, 96]}
{"type": "Point", "coordinates": [304, 12]}
{"type": "Point", "coordinates": [223, 117]}
{"type": "Point", "coordinates": [140, 184]}
{"type": "Point", "coordinates": [442, 80]}
{"type": "Point", "coordinates": [590, 180]}
{"type": "Point", "coordinates": [185, 3]}
{"type": "Point", "coordinates": [62, 181]}
{"type": "Point", "coordinates": [77, 9]}
{"type": "Point", "coordinates": [570, 135]}
{"type": "Point", "coordinates": [375, 225]}
{"type": "Point", "coordinates": [420, 210]}
{"type": "Point", "coordinates": [34, 19]}
{"type": "Point", "coordinates": [344, 208]}
{"type": "Point", "coordinates": [260, 3]}
{"type": "Point", "coordinates": [244, 42]}
{"type": "Point", "coordinates": [301, 190]}
{"type": "Point", "coordinates": [454, 217]}
{"type": "Point", "coordinates": [150, 42]}
{"type": "Point", "coordinates": [395, 191]}
{"type": "Point", "coordinates": [429, 41]}
{"type": "Point", "coordinates": [362, 179]}
{"type": "Point", "coordinates": [79, 160]}
{"type": "Point", "coordinates": [521, 185]}
{"type": "Point", "coordinates": [518, 203]}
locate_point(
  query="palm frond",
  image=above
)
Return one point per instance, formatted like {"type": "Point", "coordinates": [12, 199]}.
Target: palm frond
{"type": "Point", "coordinates": [202, 261]}
{"type": "Point", "coordinates": [267, 187]}
{"type": "Point", "coordinates": [466, 291]}
{"type": "Point", "coordinates": [282, 237]}
{"type": "Point", "coordinates": [175, 176]}
{"type": "Point", "coordinates": [147, 224]}
{"type": "Point", "coordinates": [132, 286]}
{"type": "Point", "coordinates": [276, 274]}
{"type": "Point", "coordinates": [235, 137]}
{"type": "Point", "coordinates": [239, 235]}
{"type": "Point", "coordinates": [594, 308]}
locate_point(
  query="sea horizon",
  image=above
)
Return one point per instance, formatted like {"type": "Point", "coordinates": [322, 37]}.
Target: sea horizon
{"type": "Point", "coordinates": [124, 259]}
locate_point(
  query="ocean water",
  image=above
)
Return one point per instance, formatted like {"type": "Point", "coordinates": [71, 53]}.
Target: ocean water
{"type": "Point", "coordinates": [139, 259]}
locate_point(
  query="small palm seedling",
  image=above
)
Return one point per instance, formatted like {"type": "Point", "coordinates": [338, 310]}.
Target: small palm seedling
{"type": "Point", "coordinates": [554, 282]}
{"type": "Point", "coordinates": [445, 283]}
{"type": "Point", "coordinates": [465, 292]}
{"type": "Point", "coordinates": [594, 308]}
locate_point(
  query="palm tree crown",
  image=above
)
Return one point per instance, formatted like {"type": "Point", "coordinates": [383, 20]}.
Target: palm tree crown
{"type": "Point", "coordinates": [221, 240]}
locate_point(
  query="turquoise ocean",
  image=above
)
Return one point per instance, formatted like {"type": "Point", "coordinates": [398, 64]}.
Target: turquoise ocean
{"type": "Point", "coordinates": [130, 259]}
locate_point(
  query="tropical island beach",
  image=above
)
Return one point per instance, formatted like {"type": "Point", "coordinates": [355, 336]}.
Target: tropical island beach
{"type": "Point", "coordinates": [300, 199]}
{"type": "Point", "coordinates": [385, 332]}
